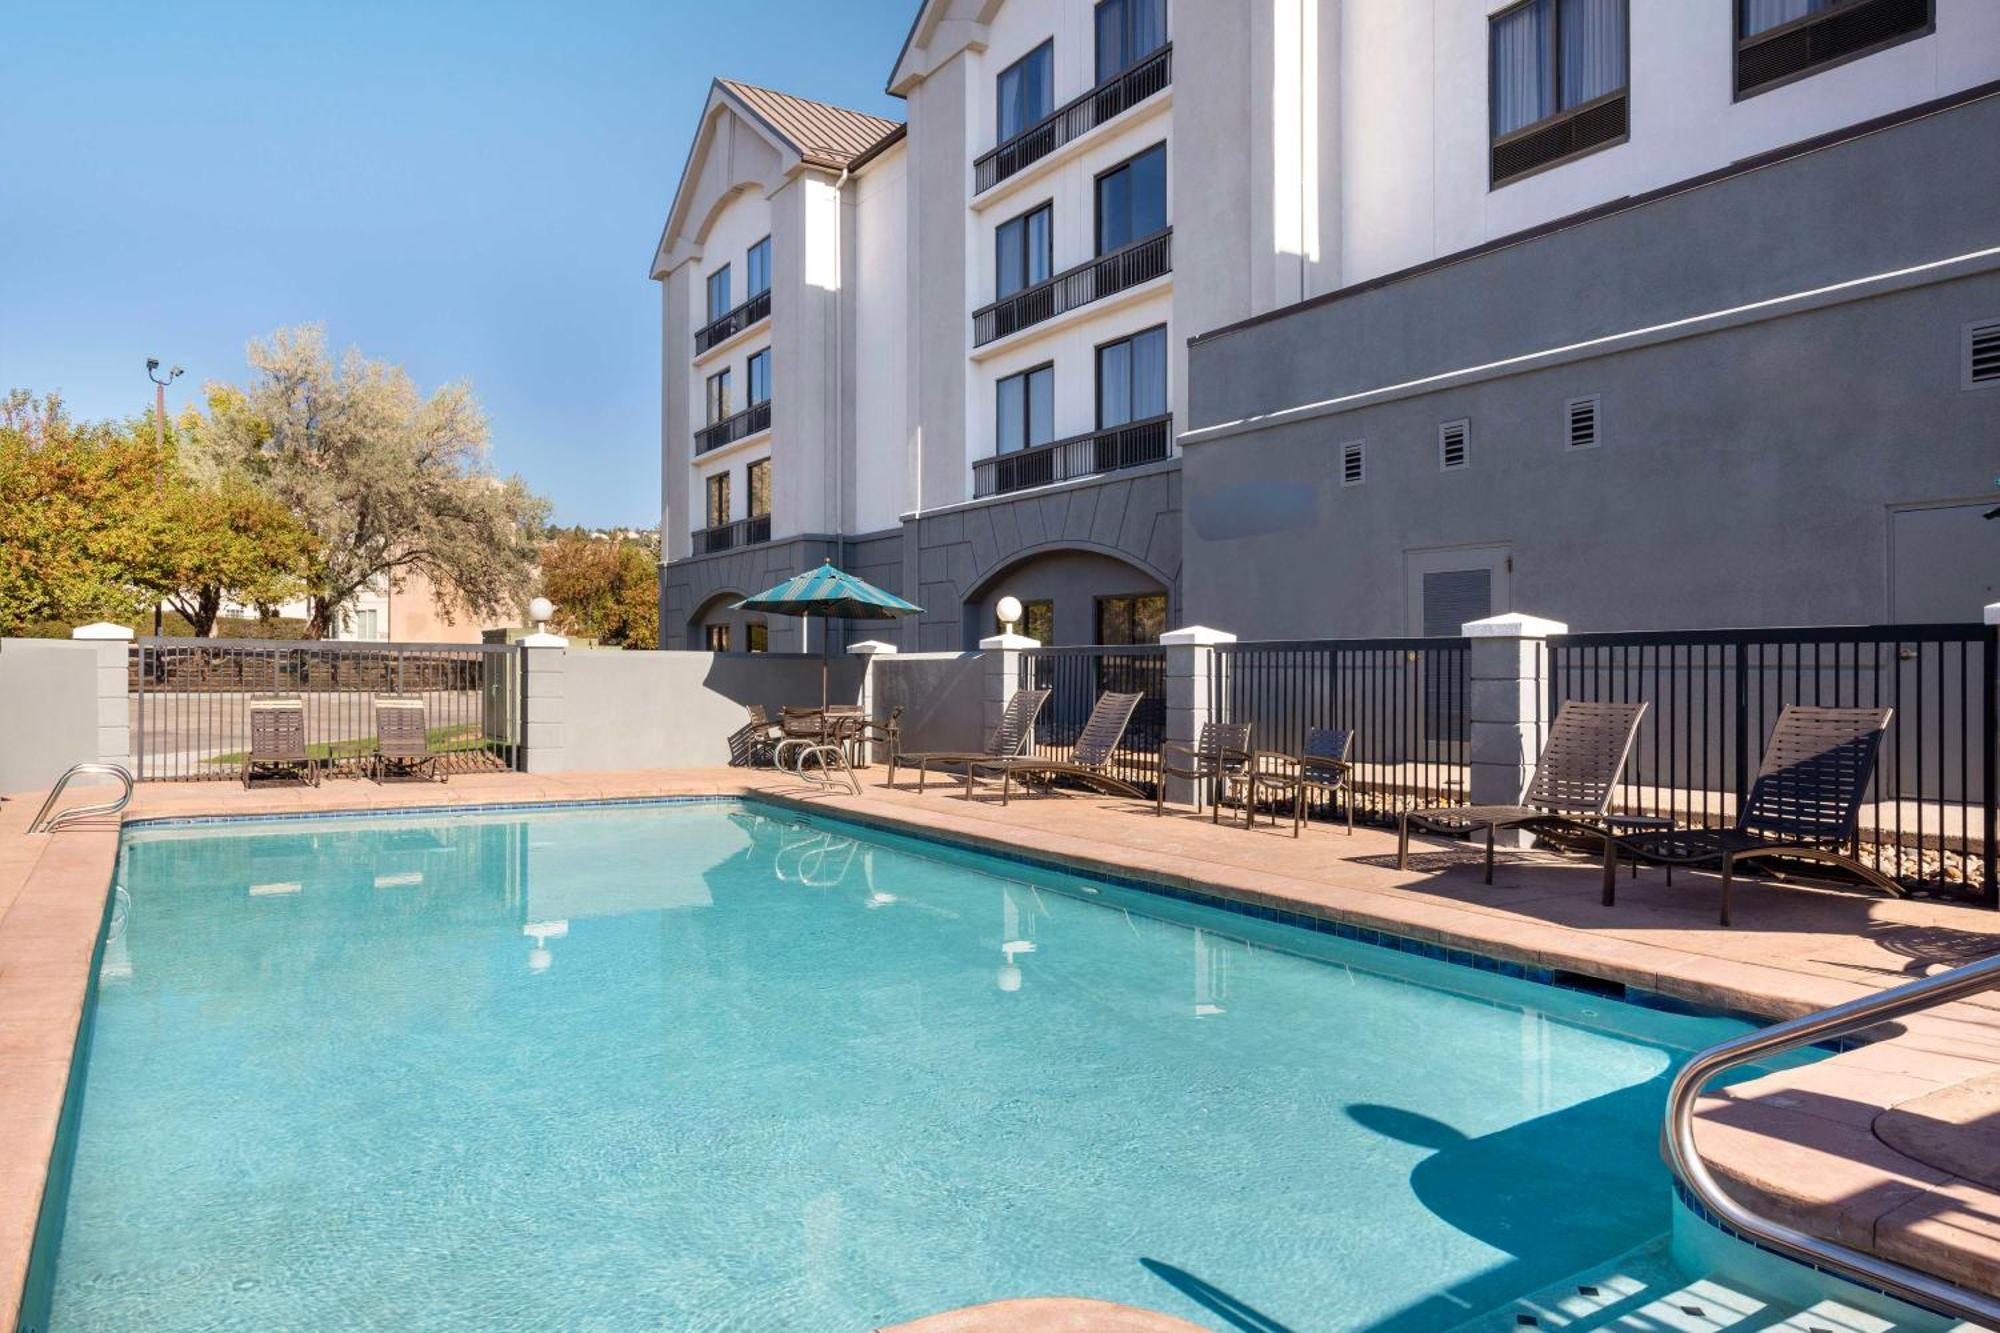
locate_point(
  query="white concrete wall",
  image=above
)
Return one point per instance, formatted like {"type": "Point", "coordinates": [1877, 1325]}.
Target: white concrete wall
{"type": "Point", "coordinates": [48, 710]}
{"type": "Point", "coordinates": [878, 353]}
{"type": "Point", "coordinates": [678, 709]}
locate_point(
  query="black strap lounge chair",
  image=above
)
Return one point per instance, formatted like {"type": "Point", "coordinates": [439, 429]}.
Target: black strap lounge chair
{"type": "Point", "coordinates": [278, 740]}
{"type": "Point", "coordinates": [403, 739]}
{"type": "Point", "coordinates": [1570, 792]}
{"type": "Point", "coordinates": [751, 744]}
{"type": "Point", "coordinates": [1220, 754]}
{"type": "Point", "coordinates": [1017, 724]}
{"type": "Point", "coordinates": [1090, 758]}
{"type": "Point", "coordinates": [1805, 805]}
{"type": "Point", "coordinates": [1321, 768]}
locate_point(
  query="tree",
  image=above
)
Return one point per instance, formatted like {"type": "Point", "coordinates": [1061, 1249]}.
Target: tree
{"type": "Point", "coordinates": [608, 590]}
{"type": "Point", "coordinates": [228, 541]}
{"type": "Point", "coordinates": [388, 482]}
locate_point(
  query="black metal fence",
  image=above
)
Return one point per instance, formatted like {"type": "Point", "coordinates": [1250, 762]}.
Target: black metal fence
{"type": "Point", "coordinates": [1405, 700]}
{"type": "Point", "coordinates": [190, 700]}
{"type": "Point", "coordinates": [1076, 676]}
{"type": "Point", "coordinates": [1093, 280]}
{"type": "Point", "coordinates": [1713, 696]}
{"type": "Point", "coordinates": [1131, 445]}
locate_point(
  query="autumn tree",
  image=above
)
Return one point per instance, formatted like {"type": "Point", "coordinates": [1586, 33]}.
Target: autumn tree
{"type": "Point", "coordinates": [390, 483]}
{"type": "Point", "coordinates": [607, 589]}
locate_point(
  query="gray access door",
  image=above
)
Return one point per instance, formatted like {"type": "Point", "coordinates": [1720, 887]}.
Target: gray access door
{"type": "Point", "coordinates": [1450, 598]}
{"type": "Point", "coordinates": [1944, 563]}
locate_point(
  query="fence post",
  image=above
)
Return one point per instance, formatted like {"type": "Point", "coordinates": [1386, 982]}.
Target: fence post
{"type": "Point", "coordinates": [1989, 799]}
{"type": "Point", "coordinates": [1507, 679]}
{"type": "Point", "coordinates": [542, 658]}
{"type": "Point", "coordinates": [1191, 669]}
{"type": "Point", "coordinates": [114, 666]}
{"type": "Point", "coordinates": [868, 650]}
{"type": "Point", "coordinates": [1006, 670]}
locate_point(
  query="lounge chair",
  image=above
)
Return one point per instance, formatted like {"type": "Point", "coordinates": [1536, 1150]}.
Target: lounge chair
{"type": "Point", "coordinates": [403, 739]}
{"type": "Point", "coordinates": [1570, 793]}
{"type": "Point", "coordinates": [278, 740]}
{"type": "Point", "coordinates": [1017, 725]}
{"type": "Point", "coordinates": [752, 743]}
{"type": "Point", "coordinates": [1090, 758]}
{"type": "Point", "coordinates": [1220, 754]}
{"type": "Point", "coordinates": [1804, 805]}
{"type": "Point", "coordinates": [1321, 769]}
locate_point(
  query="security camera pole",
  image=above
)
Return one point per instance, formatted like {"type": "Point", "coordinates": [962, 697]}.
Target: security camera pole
{"type": "Point", "coordinates": [159, 433]}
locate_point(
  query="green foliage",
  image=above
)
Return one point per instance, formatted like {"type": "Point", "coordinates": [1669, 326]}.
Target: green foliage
{"type": "Point", "coordinates": [608, 590]}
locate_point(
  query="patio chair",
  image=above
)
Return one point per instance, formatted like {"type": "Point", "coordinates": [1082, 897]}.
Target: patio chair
{"type": "Point", "coordinates": [1321, 768]}
{"type": "Point", "coordinates": [1805, 805]}
{"type": "Point", "coordinates": [1570, 793]}
{"type": "Point", "coordinates": [1017, 724]}
{"type": "Point", "coordinates": [278, 740]}
{"type": "Point", "coordinates": [1220, 754]}
{"type": "Point", "coordinates": [752, 743]}
{"type": "Point", "coordinates": [403, 739]}
{"type": "Point", "coordinates": [1090, 758]}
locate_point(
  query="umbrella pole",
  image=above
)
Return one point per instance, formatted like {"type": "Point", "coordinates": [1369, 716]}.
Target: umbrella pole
{"type": "Point", "coordinates": [822, 671]}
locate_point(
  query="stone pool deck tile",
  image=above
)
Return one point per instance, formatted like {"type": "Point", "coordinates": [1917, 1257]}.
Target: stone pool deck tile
{"type": "Point", "coordinates": [1798, 1143]}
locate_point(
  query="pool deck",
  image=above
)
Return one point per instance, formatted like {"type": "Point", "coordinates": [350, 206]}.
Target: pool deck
{"type": "Point", "coordinates": [1892, 1147]}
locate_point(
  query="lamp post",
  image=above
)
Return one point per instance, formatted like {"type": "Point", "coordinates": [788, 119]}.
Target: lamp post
{"type": "Point", "coordinates": [159, 434]}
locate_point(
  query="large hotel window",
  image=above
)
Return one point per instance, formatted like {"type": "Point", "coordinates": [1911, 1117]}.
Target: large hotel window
{"type": "Point", "coordinates": [718, 294]}
{"type": "Point", "coordinates": [718, 500]}
{"type": "Point", "coordinates": [757, 268]}
{"type": "Point", "coordinates": [1024, 410]}
{"type": "Point", "coordinates": [1558, 82]}
{"type": "Point", "coordinates": [757, 480]}
{"type": "Point", "coordinates": [1133, 619]}
{"type": "Point", "coordinates": [718, 396]}
{"type": "Point", "coordinates": [1132, 378]}
{"type": "Point", "coordinates": [1026, 90]}
{"type": "Point", "coordinates": [758, 380]}
{"type": "Point", "coordinates": [1127, 32]}
{"type": "Point", "coordinates": [1778, 41]}
{"type": "Point", "coordinates": [1132, 200]}
{"type": "Point", "coordinates": [1021, 252]}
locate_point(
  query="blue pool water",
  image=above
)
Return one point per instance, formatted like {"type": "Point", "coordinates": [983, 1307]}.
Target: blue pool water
{"type": "Point", "coordinates": [718, 1067]}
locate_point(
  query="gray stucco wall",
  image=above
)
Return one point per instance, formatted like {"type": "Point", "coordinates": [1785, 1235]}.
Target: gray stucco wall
{"type": "Point", "coordinates": [678, 709]}
{"type": "Point", "coordinates": [1817, 463]}
{"type": "Point", "coordinates": [942, 696]}
{"type": "Point", "coordinates": [49, 718]}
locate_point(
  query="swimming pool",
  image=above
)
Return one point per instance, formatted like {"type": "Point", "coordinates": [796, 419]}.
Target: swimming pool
{"type": "Point", "coordinates": [716, 1066]}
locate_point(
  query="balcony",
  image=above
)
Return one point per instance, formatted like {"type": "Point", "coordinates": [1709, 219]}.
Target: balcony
{"type": "Point", "coordinates": [721, 330]}
{"type": "Point", "coordinates": [1074, 119]}
{"type": "Point", "coordinates": [730, 429]}
{"type": "Point", "coordinates": [743, 532]}
{"type": "Point", "coordinates": [1130, 445]}
{"type": "Point", "coordinates": [1141, 261]}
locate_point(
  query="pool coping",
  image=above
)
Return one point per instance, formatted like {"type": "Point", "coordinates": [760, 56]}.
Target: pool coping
{"type": "Point", "coordinates": [1921, 1224]}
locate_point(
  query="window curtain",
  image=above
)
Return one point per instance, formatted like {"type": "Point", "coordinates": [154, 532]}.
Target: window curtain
{"type": "Point", "coordinates": [1762, 15]}
{"type": "Point", "coordinates": [1149, 374]}
{"type": "Point", "coordinates": [1524, 75]}
{"type": "Point", "coordinates": [1593, 57]}
{"type": "Point", "coordinates": [1114, 385]}
{"type": "Point", "coordinates": [1041, 406]}
{"type": "Point", "coordinates": [1010, 415]}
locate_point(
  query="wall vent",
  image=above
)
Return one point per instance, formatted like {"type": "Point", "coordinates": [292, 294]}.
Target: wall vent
{"type": "Point", "coordinates": [1353, 463]}
{"type": "Point", "coordinates": [1453, 438]}
{"type": "Point", "coordinates": [1580, 422]}
{"type": "Point", "coordinates": [1837, 33]}
{"type": "Point", "coordinates": [1982, 354]}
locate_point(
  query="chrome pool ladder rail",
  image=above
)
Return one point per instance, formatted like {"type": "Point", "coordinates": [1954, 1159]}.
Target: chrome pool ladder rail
{"type": "Point", "coordinates": [1898, 1280]}
{"type": "Point", "coordinates": [44, 822]}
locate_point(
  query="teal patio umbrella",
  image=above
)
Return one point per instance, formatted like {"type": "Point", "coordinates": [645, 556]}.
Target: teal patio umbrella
{"type": "Point", "coordinates": [829, 594]}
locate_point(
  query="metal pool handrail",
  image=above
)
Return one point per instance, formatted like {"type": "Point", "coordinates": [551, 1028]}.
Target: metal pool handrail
{"type": "Point", "coordinates": [1913, 1285]}
{"type": "Point", "coordinates": [81, 812]}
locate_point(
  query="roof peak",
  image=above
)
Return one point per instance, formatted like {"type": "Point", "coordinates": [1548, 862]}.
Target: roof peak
{"type": "Point", "coordinates": [823, 135]}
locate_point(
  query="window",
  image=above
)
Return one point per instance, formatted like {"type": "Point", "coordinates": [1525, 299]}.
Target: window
{"type": "Point", "coordinates": [1132, 378]}
{"type": "Point", "coordinates": [718, 638]}
{"type": "Point", "coordinates": [1138, 618]}
{"type": "Point", "coordinates": [1454, 445]}
{"type": "Point", "coordinates": [757, 637]}
{"type": "Point", "coordinates": [1132, 200]}
{"type": "Point", "coordinates": [1127, 32]}
{"type": "Point", "coordinates": [1353, 463]}
{"type": "Point", "coordinates": [1024, 410]}
{"type": "Point", "coordinates": [757, 269]}
{"type": "Point", "coordinates": [718, 500]}
{"type": "Point", "coordinates": [718, 396]}
{"type": "Point", "coordinates": [1778, 41]}
{"type": "Point", "coordinates": [718, 294]}
{"type": "Point", "coordinates": [1026, 91]}
{"type": "Point", "coordinates": [757, 480]}
{"type": "Point", "coordinates": [1580, 422]}
{"type": "Point", "coordinates": [1038, 621]}
{"type": "Point", "coordinates": [364, 624]}
{"type": "Point", "coordinates": [1021, 252]}
{"type": "Point", "coordinates": [1557, 79]}
{"type": "Point", "coordinates": [758, 378]}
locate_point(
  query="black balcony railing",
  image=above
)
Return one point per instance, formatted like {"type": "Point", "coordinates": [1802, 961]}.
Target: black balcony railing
{"type": "Point", "coordinates": [1075, 119]}
{"type": "Point", "coordinates": [1130, 445]}
{"type": "Point", "coordinates": [729, 430]}
{"type": "Point", "coordinates": [1138, 262]}
{"type": "Point", "coordinates": [727, 326]}
{"type": "Point", "coordinates": [743, 532]}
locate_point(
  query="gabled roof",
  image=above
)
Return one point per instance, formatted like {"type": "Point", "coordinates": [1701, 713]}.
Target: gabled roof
{"type": "Point", "coordinates": [823, 136]}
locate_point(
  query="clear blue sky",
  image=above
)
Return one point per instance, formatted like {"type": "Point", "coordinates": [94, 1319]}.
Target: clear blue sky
{"type": "Point", "coordinates": [471, 189]}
